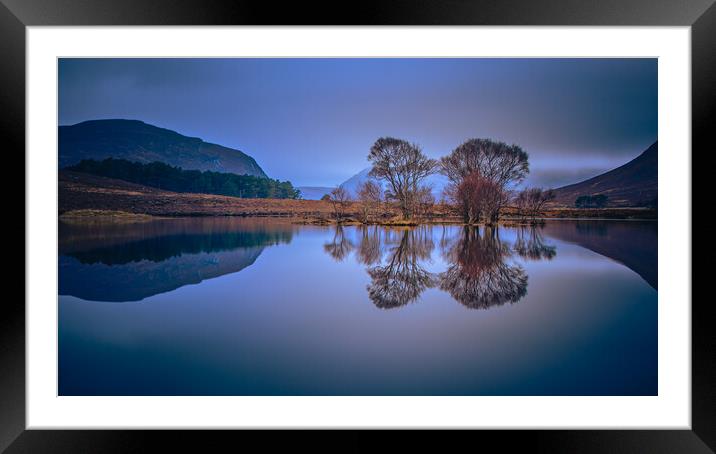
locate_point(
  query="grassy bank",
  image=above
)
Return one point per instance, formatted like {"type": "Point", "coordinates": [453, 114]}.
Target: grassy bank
{"type": "Point", "coordinates": [83, 196]}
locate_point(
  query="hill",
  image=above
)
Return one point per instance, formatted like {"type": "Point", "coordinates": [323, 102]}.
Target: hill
{"type": "Point", "coordinates": [137, 141]}
{"type": "Point", "coordinates": [634, 184]}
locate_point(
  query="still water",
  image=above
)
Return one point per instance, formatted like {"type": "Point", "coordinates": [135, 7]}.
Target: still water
{"type": "Point", "coordinates": [229, 306]}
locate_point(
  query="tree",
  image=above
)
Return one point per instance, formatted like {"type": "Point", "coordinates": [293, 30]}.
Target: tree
{"type": "Point", "coordinates": [531, 201]}
{"type": "Point", "coordinates": [424, 201]}
{"type": "Point", "coordinates": [499, 164]}
{"type": "Point", "coordinates": [491, 198]}
{"type": "Point", "coordinates": [591, 201]}
{"type": "Point", "coordinates": [402, 166]}
{"type": "Point", "coordinates": [339, 200]}
{"type": "Point", "coordinates": [477, 198]}
{"type": "Point", "coordinates": [164, 176]}
{"type": "Point", "coordinates": [370, 195]}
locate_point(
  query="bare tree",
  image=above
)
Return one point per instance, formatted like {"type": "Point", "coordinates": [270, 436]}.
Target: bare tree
{"type": "Point", "coordinates": [370, 195]}
{"type": "Point", "coordinates": [496, 162]}
{"type": "Point", "coordinates": [339, 199]}
{"type": "Point", "coordinates": [531, 201]}
{"type": "Point", "coordinates": [520, 202]}
{"type": "Point", "coordinates": [403, 166]}
{"type": "Point", "coordinates": [424, 201]}
{"type": "Point", "coordinates": [477, 198]}
{"type": "Point", "coordinates": [492, 199]}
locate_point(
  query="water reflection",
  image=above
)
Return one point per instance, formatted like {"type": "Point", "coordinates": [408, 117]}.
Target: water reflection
{"type": "Point", "coordinates": [340, 247]}
{"type": "Point", "coordinates": [276, 309]}
{"type": "Point", "coordinates": [369, 246]}
{"type": "Point", "coordinates": [480, 271]}
{"type": "Point", "coordinates": [477, 268]}
{"type": "Point", "coordinates": [479, 275]}
{"type": "Point", "coordinates": [530, 245]}
{"type": "Point", "coordinates": [133, 261]}
{"type": "Point", "coordinates": [632, 243]}
{"type": "Point", "coordinates": [402, 279]}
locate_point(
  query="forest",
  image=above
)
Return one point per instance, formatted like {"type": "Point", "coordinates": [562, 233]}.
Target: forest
{"type": "Point", "coordinates": [164, 176]}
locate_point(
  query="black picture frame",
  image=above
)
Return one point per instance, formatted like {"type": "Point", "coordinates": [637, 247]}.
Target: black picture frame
{"type": "Point", "coordinates": [16, 15]}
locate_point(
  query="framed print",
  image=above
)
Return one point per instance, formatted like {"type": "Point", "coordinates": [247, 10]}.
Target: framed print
{"type": "Point", "coordinates": [433, 216]}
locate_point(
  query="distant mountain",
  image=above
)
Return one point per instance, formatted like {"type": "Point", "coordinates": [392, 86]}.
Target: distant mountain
{"type": "Point", "coordinates": [632, 185]}
{"type": "Point", "coordinates": [436, 181]}
{"type": "Point", "coordinates": [313, 192]}
{"type": "Point", "coordinates": [135, 140]}
{"type": "Point", "coordinates": [351, 185]}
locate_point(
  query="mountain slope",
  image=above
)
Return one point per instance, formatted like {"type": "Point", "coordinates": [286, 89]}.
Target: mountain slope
{"type": "Point", "coordinates": [313, 192]}
{"type": "Point", "coordinates": [631, 185]}
{"type": "Point", "coordinates": [135, 140]}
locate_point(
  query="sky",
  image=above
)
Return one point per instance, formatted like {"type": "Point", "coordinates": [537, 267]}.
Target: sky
{"type": "Point", "coordinates": [312, 121]}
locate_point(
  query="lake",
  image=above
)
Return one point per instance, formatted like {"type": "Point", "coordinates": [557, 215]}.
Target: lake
{"type": "Point", "coordinates": [250, 306]}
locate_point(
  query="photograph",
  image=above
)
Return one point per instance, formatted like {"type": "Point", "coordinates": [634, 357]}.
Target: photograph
{"type": "Point", "coordinates": [383, 226]}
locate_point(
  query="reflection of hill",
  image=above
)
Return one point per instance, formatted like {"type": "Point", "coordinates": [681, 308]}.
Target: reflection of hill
{"type": "Point", "coordinates": [137, 280]}
{"type": "Point", "coordinates": [632, 243]}
{"type": "Point", "coordinates": [81, 236]}
{"type": "Point", "coordinates": [131, 262]}
{"type": "Point", "coordinates": [158, 249]}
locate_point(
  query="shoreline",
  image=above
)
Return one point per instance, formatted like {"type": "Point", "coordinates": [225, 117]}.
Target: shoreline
{"type": "Point", "coordinates": [93, 215]}
{"type": "Point", "coordinates": [83, 196]}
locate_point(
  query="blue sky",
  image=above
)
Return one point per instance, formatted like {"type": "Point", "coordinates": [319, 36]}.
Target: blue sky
{"type": "Point", "coordinates": [312, 121]}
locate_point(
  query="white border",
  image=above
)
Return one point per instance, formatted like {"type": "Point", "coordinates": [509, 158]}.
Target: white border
{"type": "Point", "coordinates": [670, 409]}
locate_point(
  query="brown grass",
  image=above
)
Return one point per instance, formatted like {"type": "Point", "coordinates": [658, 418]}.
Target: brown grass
{"type": "Point", "coordinates": [87, 196]}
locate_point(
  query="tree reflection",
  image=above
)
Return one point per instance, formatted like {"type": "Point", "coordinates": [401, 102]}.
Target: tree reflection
{"type": "Point", "coordinates": [530, 244]}
{"type": "Point", "coordinates": [369, 251]}
{"type": "Point", "coordinates": [481, 272]}
{"type": "Point", "coordinates": [340, 247]}
{"type": "Point", "coordinates": [402, 279]}
{"type": "Point", "coordinates": [478, 276]}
